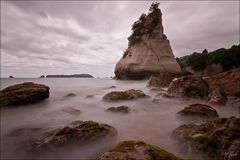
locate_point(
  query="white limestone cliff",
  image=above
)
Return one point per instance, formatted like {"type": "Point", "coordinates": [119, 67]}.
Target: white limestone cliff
{"type": "Point", "coordinates": [149, 51]}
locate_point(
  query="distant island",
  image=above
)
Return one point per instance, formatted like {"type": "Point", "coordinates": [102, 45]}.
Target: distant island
{"type": "Point", "coordinates": [70, 76]}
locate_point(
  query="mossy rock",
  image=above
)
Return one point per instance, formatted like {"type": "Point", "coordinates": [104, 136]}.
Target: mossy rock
{"type": "Point", "coordinates": [124, 95]}
{"type": "Point", "coordinates": [218, 138]}
{"type": "Point", "coordinates": [77, 132]}
{"type": "Point", "coordinates": [135, 150]}
{"type": "Point", "coordinates": [189, 86]}
{"type": "Point", "coordinates": [24, 93]}
{"type": "Point", "coordinates": [199, 110]}
{"type": "Point", "coordinates": [119, 109]}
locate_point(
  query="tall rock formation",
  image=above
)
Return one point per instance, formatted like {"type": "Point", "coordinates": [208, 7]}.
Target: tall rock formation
{"type": "Point", "coordinates": [149, 51]}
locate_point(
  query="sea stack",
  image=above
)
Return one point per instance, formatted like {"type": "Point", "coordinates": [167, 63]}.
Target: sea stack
{"type": "Point", "coordinates": [149, 51]}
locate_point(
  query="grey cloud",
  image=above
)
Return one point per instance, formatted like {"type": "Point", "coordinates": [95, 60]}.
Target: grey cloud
{"type": "Point", "coordinates": [91, 36]}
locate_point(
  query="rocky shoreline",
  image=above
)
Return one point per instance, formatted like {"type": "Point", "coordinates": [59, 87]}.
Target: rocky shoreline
{"type": "Point", "coordinates": [217, 137]}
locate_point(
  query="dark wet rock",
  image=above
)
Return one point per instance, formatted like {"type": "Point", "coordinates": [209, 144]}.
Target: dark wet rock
{"type": "Point", "coordinates": [111, 87]}
{"type": "Point", "coordinates": [10, 77]}
{"type": "Point", "coordinates": [124, 95]}
{"type": "Point", "coordinates": [72, 111]}
{"type": "Point", "coordinates": [90, 96]}
{"type": "Point", "coordinates": [42, 76]}
{"type": "Point", "coordinates": [189, 86]}
{"type": "Point", "coordinates": [120, 109]}
{"type": "Point", "coordinates": [136, 150]}
{"type": "Point", "coordinates": [77, 132]}
{"type": "Point", "coordinates": [70, 95]}
{"type": "Point", "coordinates": [228, 81]}
{"type": "Point", "coordinates": [219, 138]}
{"type": "Point", "coordinates": [160, 80]}
{"type": "Point", "coordinates": [24, 93]}
{"type": "Point", "coordinates": [218, 96]}
{"type": "Point", "coordinates": [199, 110]}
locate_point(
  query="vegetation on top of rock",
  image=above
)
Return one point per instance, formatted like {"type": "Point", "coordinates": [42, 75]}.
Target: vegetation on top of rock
{"type": "Point", "coordinates": [136, 150]}
{"type": "Point", "coordinates": [220, 138]}
{"type": "Point", "coordinates": [227, 58]}
{"type": "Point", "coordinates": [23, 93]}
{"type": "Point", "coordinates": [145, 24]}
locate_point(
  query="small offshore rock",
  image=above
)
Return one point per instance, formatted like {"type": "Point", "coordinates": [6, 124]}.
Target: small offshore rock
{"type": "Point", "coordinates": [90, 96]}
{"type": "Point", "coordinates": [218, 96]}
{"type": "Point", "coordinates": [24, 93]}
{"type": "Point", "coordinates": [72, 111]}
{"type": "Point", "coordinates": [119, 109]}
{"type": "Point", "coordinates": [199, 110]}
{"type": "Point", "coordinates": [136, 150]}
{"type": "Point", "coordinates": [189, 86]}
{"type": "Point", "coordinates": [219, 138]}
{"type": "Point", "coordinates": [70, 95]}
{"type": "Point", "coordinates": [76, 132]}
{"type": "Point", "coordinates": [124, 95]}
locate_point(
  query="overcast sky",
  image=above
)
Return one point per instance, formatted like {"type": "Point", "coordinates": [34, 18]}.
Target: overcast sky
{"type": "Point", "coordinates": [60, 37]}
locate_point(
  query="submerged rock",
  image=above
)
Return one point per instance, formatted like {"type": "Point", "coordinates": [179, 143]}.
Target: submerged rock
{"type": "Point", "coordinates": [188, 86]}
{"type": "Point", "coordinates": [219, 138]}
{"type": "Point", "coordinates": [120, 109]}
{"type": "Point", "coordinates": [76, 132]}
{"type": "Point", "coordinates": [124, 95]}
{"type": "Point", "coordinates": [70, 95]}
{"type": "Point", "coordinates": [136, 150]}
{"type": "Point", "coordinates": [228, 81]}
{"type": "Point", "coordinates": [72, 111]}
{"type": "Point", "coordinates": [218, 96]}
{"type": "Point", "coordinates": [90, 96]}
{"type": "Point", "coordinates": [24, 93]}
{"type": "Point", "coordinates": [199, 110]}
{"type": "Point", "coordinates": [149, 51]}
{"type": "Point", "coordinates": [160, 80]}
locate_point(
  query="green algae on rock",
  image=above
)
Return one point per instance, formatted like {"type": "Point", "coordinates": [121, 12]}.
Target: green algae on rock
{"type": "Point", "coordinates": [76, 132]}
{"type": "Point", "coordinates": [219, 138]}
{"type": "Point", "coordinates": [136, 150]}
{"type": "Point", "coordinates": [24, 93]}
{"type": "Point", "coordinates": [124, 95]}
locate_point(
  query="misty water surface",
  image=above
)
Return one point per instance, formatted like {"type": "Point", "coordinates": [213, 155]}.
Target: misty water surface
{"type": "Point", "coordinates": [149, 121]}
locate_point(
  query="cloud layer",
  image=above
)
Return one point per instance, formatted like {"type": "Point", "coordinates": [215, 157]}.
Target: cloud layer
{"type": "Point", "coordinates": [60, 37]}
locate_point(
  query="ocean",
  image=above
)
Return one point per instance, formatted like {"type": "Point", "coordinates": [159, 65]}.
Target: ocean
{"type": "Point", "coordinates": [150, 121]}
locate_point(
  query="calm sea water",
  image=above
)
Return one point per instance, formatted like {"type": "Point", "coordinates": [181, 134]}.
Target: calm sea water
{"type": "Point", "coordinates": [150, 121]}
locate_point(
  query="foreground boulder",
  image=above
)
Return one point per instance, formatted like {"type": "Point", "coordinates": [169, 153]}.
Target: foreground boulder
{"type": "Point", "coordinates": [124, 95]}
{"type": "Point", "coordinates": [23, 93]}
{"type": "Point", "coordinates": [199, 110]}
{"type": "Point", "coordinates": [219, 138]}
{"type": "Point", "coordinates": [76, 132]}
{"type": "Point", "coordinates": [160, 80]}
{"type": "Point", "coordinates": [119, 109]}
{"type": "Point", "coordinates": [188, 86]}
{"type": "Point", "coordinates": [218, 96]}
{"type": "Point", "coordinates": [228, 81]}
{"type": "Point", "coordinates": [149, 51]}
{"type": "Point", "coordinates": [136, 150]}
